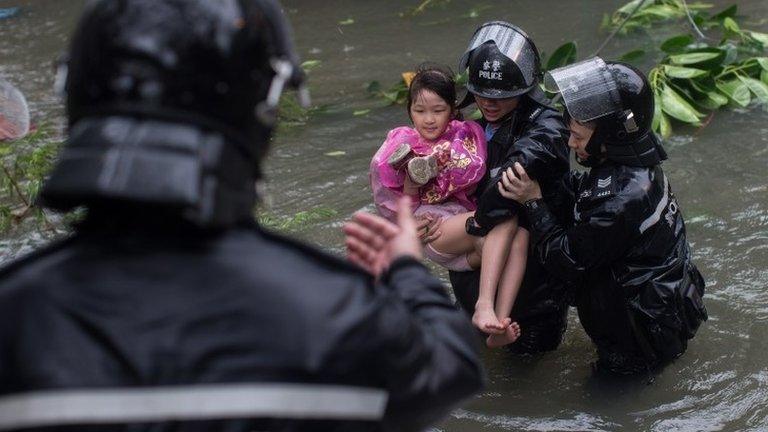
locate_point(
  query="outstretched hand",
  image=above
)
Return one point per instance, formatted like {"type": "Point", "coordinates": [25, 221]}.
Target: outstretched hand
{"type": "Point", "coordinates": [518, 187]}
{"type": "Point", "coordinates": [373, 242]}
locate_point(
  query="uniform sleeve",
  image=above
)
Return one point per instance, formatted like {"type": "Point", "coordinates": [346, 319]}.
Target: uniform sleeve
{"type": "Point", "coordinates": [429, 356]}
{"type": "Point", "coordinates": [601, 235]}
{"type": "Point", "coordinates": [542, 151]}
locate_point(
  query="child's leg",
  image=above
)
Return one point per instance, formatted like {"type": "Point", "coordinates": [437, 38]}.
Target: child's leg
{"type": "Point", "coordinates": [454, 239]}
{"type": "Point", "coordinates": [495, 252]}
{"type": "Point", "coordinates": [513, 273]}
{"type": "Point", "coordinates": [509, 286]}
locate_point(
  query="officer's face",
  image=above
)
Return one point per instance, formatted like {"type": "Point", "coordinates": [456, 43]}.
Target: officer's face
{"type": "Point", "coordinates": [430, 114]}
{"type": "Point", "coordinates": [496, 109]}
{"type": "Point", "coordinates": [580, 135]}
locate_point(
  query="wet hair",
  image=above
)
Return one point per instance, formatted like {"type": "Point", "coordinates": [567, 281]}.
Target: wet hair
{"type": "Point", "coordinates": [437, 79]}
{"type": "Point", "coordinates": [592, 124]}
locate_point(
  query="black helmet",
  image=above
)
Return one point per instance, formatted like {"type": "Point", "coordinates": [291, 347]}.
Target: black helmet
{"type": "Point", "coordinates": [177, 58]}
{"type": "Point", "coordinates": [172, 102]}
{"type": "Point", "coordinates": [618, 99]}
{"type": "Point", "coordinates": [502, 60]}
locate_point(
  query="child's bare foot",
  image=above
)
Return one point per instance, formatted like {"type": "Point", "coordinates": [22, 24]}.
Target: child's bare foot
{"type": "Point", "coordinates": [485, 319]}
{"type": "Point", "coordinates": [509, 336]}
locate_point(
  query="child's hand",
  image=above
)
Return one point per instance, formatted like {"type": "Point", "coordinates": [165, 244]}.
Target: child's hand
{"type": "Point", "coordinates": [428, 227]}
{"type": "Point", "coordinates": [373, 242]}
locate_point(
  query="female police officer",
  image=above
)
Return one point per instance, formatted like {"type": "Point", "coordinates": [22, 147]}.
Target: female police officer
{"type": "Point", "coordinates": [504, 75]}
{"type": "Point", "coordinates": [638, 294]}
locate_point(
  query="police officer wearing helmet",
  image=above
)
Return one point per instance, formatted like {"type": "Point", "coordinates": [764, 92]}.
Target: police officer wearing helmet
{"type": "Point", "coordinates": [638, 294]}
{"type": "Point", "coordinates": [169, 308]}
{"type": "Point", "coordinates": [503, 81]}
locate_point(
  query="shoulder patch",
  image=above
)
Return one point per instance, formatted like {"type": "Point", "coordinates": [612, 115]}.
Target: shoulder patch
{"type": "Point", "coordinates": [598, 188]}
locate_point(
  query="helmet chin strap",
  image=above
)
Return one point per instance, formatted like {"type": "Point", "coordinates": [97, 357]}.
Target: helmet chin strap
{"type": "Point", "coordinates": [594, 148]}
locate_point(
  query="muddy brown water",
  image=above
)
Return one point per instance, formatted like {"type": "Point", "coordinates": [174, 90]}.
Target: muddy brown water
{"type": "Point", "coordinates": [719, 173]}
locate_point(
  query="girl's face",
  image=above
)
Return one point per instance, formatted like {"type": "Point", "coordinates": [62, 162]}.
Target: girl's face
{"type": "Point", "coordinates": [580, 135]}
{"type": "Point", "coordinates": [430, 115]}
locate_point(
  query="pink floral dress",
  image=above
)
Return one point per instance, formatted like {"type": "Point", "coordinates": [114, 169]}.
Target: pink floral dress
{"type": "Point", "coordinates": [460, 153]}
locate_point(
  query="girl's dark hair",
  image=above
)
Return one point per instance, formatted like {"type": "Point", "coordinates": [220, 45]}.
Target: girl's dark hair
{"type": "Point", "coordinates": [435, 78]}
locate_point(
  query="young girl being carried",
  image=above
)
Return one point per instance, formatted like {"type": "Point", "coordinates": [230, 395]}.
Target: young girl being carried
{"type": "Point", "coordinates": [438, 163]}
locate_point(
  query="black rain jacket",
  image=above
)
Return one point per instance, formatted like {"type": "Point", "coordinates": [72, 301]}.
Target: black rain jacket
{"type": "Point", "coordinates": [637, 290]}
{"type": "Point", "coordinates": [536, 136]}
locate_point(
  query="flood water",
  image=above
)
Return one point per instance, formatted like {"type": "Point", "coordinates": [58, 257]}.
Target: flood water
{"type": "Point", "coordinates": [719, 174]}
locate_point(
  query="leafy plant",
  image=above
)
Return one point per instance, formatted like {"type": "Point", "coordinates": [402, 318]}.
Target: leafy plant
{"type": "Point", "coordinates": [694, 78]}
{"type": "Point", "coordinates": [24, 163]}
{"type": "Point", "coordinates": [657, 11]}
{"type": "Point", "coordinates": [290, 111]}
{"type": "Point", "coordinates": [297, 221]}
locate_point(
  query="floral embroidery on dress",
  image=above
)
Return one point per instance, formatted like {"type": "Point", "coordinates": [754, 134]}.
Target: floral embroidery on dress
{"type": "Point", "coordinates": [460, 155]}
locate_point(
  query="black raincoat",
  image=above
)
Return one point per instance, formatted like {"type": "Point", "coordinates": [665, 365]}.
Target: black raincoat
{"type": "Point", "coordinates": [534, 135]}
{"type": "Point", "coordinates": [139, 300]}
{"type": "Point", "coordinates": [638, 294]}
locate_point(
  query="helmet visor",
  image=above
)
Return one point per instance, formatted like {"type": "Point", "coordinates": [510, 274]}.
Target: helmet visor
{"type": "Point", "coordinates": [14, 114]}
{"type": "Point", "coordinates": [512, 42]}
{"type": "Point", "coordinates": [588, 88]}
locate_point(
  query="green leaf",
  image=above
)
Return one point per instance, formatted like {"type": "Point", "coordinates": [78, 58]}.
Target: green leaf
{"type": "Point", "coordinates": [361, 112]}
{"type": "Point", "coordinates": [731, 53]}
{"type": "Point", "coordinates": [683, 72]}
{"type": "Point", "coordinates": [763, 62]}
{"type": "Point", "coordinates": [632, 55]}
{"type": "Point", "coordinates": [759, 88]}
{"type": "Point", "coordinates": [676, 44]}
{"type": "Point", "coordinates": [373, 87]}
{"type": "Point", "coordinates": [712, 101]}
{"type": "Point", "coordinates": [347, 21]}
{"type": "Point", "coordinates": [674, 105]}
{"type": "Point", "coordinates": [629, 7]}
{"type": "Point", "coordinates": [717, 98]}
{"type": "Point", "coordinates": [665, 126]}
{"type": "Point", "coordinates": [764, 76]}
{"type": "Point", "coordinates": [760, 37]}
{"type": "Point", "coordinates": [656, 113]}
{"type": "Point", "coordinates": [703, 85]}
{"type": "Point", "coordinates": [565, 54]}
{"type": "Point", "coordinates": [737, 91]}
{"type": "Point", "coordinates": [729, 12]}
{"type": "Point", "coordinates": [310, 64]}
{"type": "Point", "coordinates": [663, 12]}
{"type": "Point", "coordinates": [695, 57]}
{"type": "Point", "coordinates": [336, 153]}
{"type": "Point", "coordinates": [731, 25]}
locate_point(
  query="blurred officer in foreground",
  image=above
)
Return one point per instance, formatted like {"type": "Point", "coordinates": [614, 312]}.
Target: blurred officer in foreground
{"type": "Point", "coordinates": [169, 308]}
{"type": "Point", "coordinates": [638, 294]}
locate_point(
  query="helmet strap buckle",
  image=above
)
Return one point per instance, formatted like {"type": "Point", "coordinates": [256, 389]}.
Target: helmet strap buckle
{"type": "Point", "coordinates": [630, 125]}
